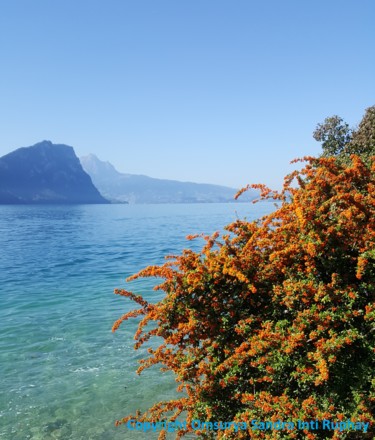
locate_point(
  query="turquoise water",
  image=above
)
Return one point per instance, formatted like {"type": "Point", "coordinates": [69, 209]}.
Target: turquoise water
{"type": "Point", "coordinates": [63, 374]}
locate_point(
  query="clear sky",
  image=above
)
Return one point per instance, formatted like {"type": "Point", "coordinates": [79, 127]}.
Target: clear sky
{"type": "Point", "coordinates": [215, 91]}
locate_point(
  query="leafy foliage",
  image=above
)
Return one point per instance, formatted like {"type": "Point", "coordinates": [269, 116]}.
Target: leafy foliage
{"type": "Point", "coordinates": [341, 141]}
{"type": "Point", "coordinates": [275, 319]}
{"type": "Point", "coordinates": [363, 142]}
{"type": "Point", "coordinates": [335, 135]}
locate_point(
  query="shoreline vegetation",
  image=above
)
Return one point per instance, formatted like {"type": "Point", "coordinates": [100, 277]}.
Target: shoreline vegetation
{"type": "Point", "coordinates": [275, 319]}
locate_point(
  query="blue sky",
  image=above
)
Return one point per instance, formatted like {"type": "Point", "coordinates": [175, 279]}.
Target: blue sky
{"type": "Point", "coordinates": [224, 92]}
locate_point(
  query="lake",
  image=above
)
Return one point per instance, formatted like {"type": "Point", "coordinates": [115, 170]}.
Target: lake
{"type": "Point", "coordinates": [64, 375]}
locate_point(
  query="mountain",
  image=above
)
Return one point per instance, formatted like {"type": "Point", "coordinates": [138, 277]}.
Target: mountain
{"type": "Point", "coordinates": [45, 173]}
{"type": "Point", "coordinates": [132, 188]}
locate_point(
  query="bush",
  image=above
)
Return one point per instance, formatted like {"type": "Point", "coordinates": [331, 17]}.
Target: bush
{"type": "Point", "coordinates": [276, 319]}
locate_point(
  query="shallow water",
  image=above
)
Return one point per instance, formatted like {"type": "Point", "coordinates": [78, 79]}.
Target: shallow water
{"type": "Point", "coordinates": [64, 375]}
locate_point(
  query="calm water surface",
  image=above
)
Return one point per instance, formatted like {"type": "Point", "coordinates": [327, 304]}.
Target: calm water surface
{"type": "Point", "coordinates": [63, 374]}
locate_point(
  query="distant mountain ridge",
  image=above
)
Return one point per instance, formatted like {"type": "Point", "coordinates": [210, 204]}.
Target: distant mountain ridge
{"type": "Point", "coordinates": [132, 188]}
{"type": "Point", "coordinates": [45, 173]}
{"type": "Point", "coordinates": [48, 173]}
